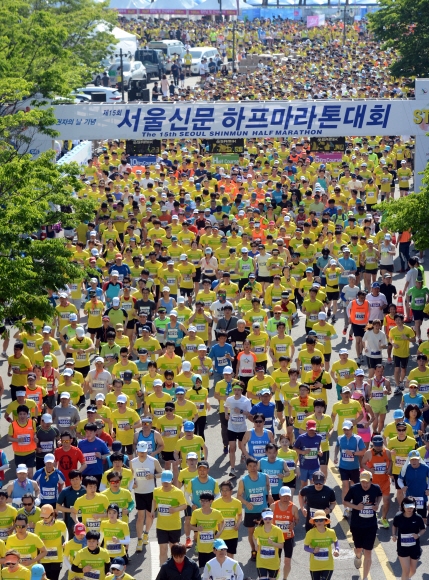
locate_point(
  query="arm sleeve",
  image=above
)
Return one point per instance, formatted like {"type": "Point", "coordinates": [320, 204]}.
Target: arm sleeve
{"type": "Point", "coordinates": [309, 549]}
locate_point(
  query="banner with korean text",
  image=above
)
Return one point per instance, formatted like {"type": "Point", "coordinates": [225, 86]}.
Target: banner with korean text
{"type": "Point", "coordinates": [241, 119]}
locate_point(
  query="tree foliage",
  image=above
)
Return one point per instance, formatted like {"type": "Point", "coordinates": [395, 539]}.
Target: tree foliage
{"type": "Point", "coordinates": [411, 212]}
{"type": "Point", "coordinates": [403, 25]}
{"type": "Point", "coordinates": [47, 48]}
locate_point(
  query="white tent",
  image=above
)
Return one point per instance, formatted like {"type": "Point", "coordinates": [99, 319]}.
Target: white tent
{"type": "Point", "coordinates": [213, 7]}
{"type": "Point", "coordinates": [128, 6]}
{"type": "Point", "coordinates": [126, 41]}
{"type": "Point", "coordinates": [166, 7]}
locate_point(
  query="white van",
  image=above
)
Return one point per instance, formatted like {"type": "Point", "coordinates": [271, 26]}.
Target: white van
{"type": "Point", "coordinates": [200, 52]}
{"type": "Point", "coordinates": [170, 48]}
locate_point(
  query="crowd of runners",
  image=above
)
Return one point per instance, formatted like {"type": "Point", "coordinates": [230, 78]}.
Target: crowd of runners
{"type": "Point", "coordinates": [196, 281]}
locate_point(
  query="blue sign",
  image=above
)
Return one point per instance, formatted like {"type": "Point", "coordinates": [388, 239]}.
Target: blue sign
{"type": "Point", "coordinates": [142, 160]}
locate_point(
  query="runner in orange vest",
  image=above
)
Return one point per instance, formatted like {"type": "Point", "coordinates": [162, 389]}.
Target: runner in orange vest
{"type": "Point", "coordinates": [378, 461]}
{"type": "Point", "coordinates": [285, 516]}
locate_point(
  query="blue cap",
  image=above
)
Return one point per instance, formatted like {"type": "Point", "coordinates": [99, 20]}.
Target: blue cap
{"type": "Point", "coordinates": [180, 391]}
{"type": "Point", "coordinates": [119, 561]}
{"type": "Point", "coordinates": [414, 454]}
{"type": "Point", "coordinates": [219, 545]}
{"type": "Point", "coordinates": [358, 200]}
{"type": "Point", "coordinates": [167, 476]}
{"type": "Point", "coordinates": [398, 414]}
{"type": "Point", "coordinates": [309, 270]}
{"type": "Point", "coordinates": [375, 285]}
{"type": "Point", "coordinates": [37, 571]}
{"type": "Point", "coordinates": [198, 186]}
{"type": "Point", "coordinates": [188, 426]}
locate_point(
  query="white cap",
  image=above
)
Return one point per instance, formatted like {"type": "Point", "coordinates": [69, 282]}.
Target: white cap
{"type": "Point", "coordinates": [173, 313]}
{"type": "Point", "coordinates": [170, 263]}
{"type": "Point", "coordinates": [116, 301]}
{"type": "Point", "coordinates": [114, 273]}
{"type": "Point", "coordinates": [192, 329]}
{"type": "Point", "coordinates": [80, 332]}
{"type": "Point", "coordinates": [322, 316]}
{"type": "Point", "coordinates": [227, 370]}
{"type": "Point", "coordinates": [192, 455]}
{"type": "Point", "coordinates": [100, 397]}
{"type": "Point", "coordinates": [183, 256]}
{"type": "Point", "coordinates": [157, 383]}
{"type": "Point", "coordinates": [166, 289]}
{"type": "Point", "coordinates": [99, 359]}
{"type": "Point", "coordinates": [68, 372]}
{"type": "Point", "coordinates": [47, 329]}
{"type": "Point", "coordinates": [22, 468]}
{"type": "Point", "coordinates": [286, 218]}
{"type": "Point", "coordinates": [47, 418]}
{"type": "Point", "coordinates": [142, 447]}
{"type": "Point", "coordinates": [21, 393]}
{"type": "Point", "coordinates": [121, 399]}
{"type": "Point", "coordinates": [202, 347]}
{"type": "Point", "coordinates": [65, 394]}
{"type": "Point", "coordinates": [285, 490]}
{"type": "Point", "coordinates": [343, 351]}
{"type": "Point", "coordinates": [347, 425]}
{"type": "Point", "coordinates": [186, 366]}
{"type": "Point", "coordinates": [180, 300]}
{"type": "Point", "coordinates": [62, 295]}
{"type": "Point", "coordinates": [49, 458]}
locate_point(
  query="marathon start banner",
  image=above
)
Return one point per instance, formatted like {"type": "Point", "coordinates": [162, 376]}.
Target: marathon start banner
{"type": "Point", "coordinates": [241, 119]}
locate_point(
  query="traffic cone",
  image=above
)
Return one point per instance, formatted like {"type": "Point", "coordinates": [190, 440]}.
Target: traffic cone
{"type": "Point", "coordinates": [400, 305]}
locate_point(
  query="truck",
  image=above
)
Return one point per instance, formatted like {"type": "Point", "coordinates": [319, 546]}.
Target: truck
{"type": "Point", "coordinates": [153, 60]}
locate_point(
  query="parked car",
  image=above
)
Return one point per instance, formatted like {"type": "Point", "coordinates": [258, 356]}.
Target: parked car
{"type": "Point", "coordinates": [200, 52]}
{"type": "Point", "coordinates": [112, 95]}
{"type": "Point", "coordinates": [133, 71]}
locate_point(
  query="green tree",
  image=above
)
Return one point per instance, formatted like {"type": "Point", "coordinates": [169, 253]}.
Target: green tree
{"type": "Point", "coordinates": [47, 48]}
{"type": "Point", "coordinates": [403, 26]}
{"type": "Point", "coordinates": [411, 212]}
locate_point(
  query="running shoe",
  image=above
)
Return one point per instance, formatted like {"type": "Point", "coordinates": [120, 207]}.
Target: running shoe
{"type": "Point", "coordinates": [189, 543]}
{"type": "Point", "coordinates": [384, 523]}
{"type": "Point", "coordinates": [139, 547]}
{"type": "Point", "coordinates": [357, 562]}
{"type": "Point", "coordinates": [145, 538]}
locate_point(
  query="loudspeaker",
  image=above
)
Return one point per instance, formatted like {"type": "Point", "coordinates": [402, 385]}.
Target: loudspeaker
{"type": "Point", "coordinates": [139, 92]}
{"type": "Point", "coordinates": [98, 97]}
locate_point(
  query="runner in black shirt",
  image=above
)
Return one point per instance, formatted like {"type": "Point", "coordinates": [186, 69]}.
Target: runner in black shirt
{"type": "Point", "coordinates": [408, 527]}
{"type": "Point", "coordinates": [363, 499]}
{"type": "Point", "coordinates": [316, 497]}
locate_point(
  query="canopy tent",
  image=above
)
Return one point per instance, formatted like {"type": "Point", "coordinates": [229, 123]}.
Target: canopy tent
{"type": "Point", "coordinates": [165, 7]}
{"type": "Point", "coordinates": [229, 7]}
{"type": "Point", "coordinates": [126, 40]}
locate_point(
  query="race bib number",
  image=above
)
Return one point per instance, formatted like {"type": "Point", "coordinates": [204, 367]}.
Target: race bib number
{"type": "Point", "coordinates": [64, 422]}
{"type": "Point", "coordinates": [259, 450]}
{"type": "Point", "coordinates": [170, 431]}
{"type": "Point", "coordinates": [307, 367]}
{"type": "Point", "coordinates": [52, 554]}
{"type": "Point", "coordinates": [222, 361]}
{"type": "Point", "coordinates": [4, 534]}
{"type": "Point", "coordinates": [142, 473]}
{"type": "Point", "coordinates": [256, 498]}
{"type": "Point", "coordinates": [313, 317]}
{"type": "Point", "coordinates": [360, 315]}
{"type": "Point", "coordinates": [274, 479]}
{"type": "Point", "coordinates": [380, 468]}
{"type": "Point", "coordinates": [408, 540]}
{"type": "Point", "coordinates": [200, 327]}
{"type": "Point", "coordinates": [206, 537]}
{"type": "Point", "coordinates": [237, 419]}
{"type": "Point", "coordinates": [90, 458]}
{"type": "Point", "coordinates": [46, 446]}
{"type": "Point", "coordinates": [81, 356]}
{"type": "Point", "coordinates": [92, 523]}
{"type": "Point", "coordinates": [310, 453]}
{"type": "Point", "coordinates": [267, 552]}
{"type": "Point", "coordinates": [259, 349]}
{"type": "Point", "coordinates": [48, 493]}
{"type": "Point", "coordinates": [113, 548]}
{"type": "Point", "coordinates": [377, 394]}
{"type": "Point", "coordinates": [158, 412]}
{"type": "Point", "coordinates": [346, 457]}
{"type": "Point", "coordinates": [366, 512]}
{"type": "Point", "coordinates": [163, 510]}
{"type": "Point", "coordinates": [92, 575]}
{"type": "Point", "coordinates": [98, 386]}
{"type": "Point", "coordinates": [300, 416]}
{"type": "Point", "coordinates": [322, 555]}
{"type": "Point", "coordinates": [420, 502]}
{"type": "Point", "coordinates": [400, 461]}
{"type": "Point", "coordinates": [229, 523]}
{"type": "Point", "coordinates": [24, 439]}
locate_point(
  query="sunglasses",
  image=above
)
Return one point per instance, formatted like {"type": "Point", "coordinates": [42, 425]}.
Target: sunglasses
{"type": "Point", "coordinates": [27, 504]}
{"type": "Point", "coordinates": [401, 430]}
{"type": "Point", "coordinates": [115, 481]}
{"type": "Point", "coordinates": [319, 520]}
{"type": "Point", "coordinates": [64, 441]}
{"type": "Point", "coordinates": [19, 527]}
{"type": "Point", "coordinates": [259, 421]}
{"type": "Point", "coordinates": [10, 563]}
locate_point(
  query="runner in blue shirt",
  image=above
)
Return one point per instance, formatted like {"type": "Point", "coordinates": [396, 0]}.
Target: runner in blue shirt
{"type": "Point", "coordinates": [309, 448]}
{"type": "Point", "coordinates": [50, 481]}
{"type": "Point", "coordinates": [94, 451]}
{"type": "Point", "coordinates": [267, 408]}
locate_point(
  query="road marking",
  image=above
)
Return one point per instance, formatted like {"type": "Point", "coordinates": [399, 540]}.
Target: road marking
{"type": "Point", "coordinates": [378, 548]}
{"type": "Point", "coordinates": [154, 559]}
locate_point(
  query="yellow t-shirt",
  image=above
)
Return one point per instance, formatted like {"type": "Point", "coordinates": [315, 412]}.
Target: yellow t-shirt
{"type": "Point", "coordinates": [163, 501]}
{"type": "Point", "coordinates": [210, 522]}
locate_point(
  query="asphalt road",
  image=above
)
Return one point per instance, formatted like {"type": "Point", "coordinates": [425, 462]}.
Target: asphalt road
{"type": "Point", "coordinates": [385, 564]}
